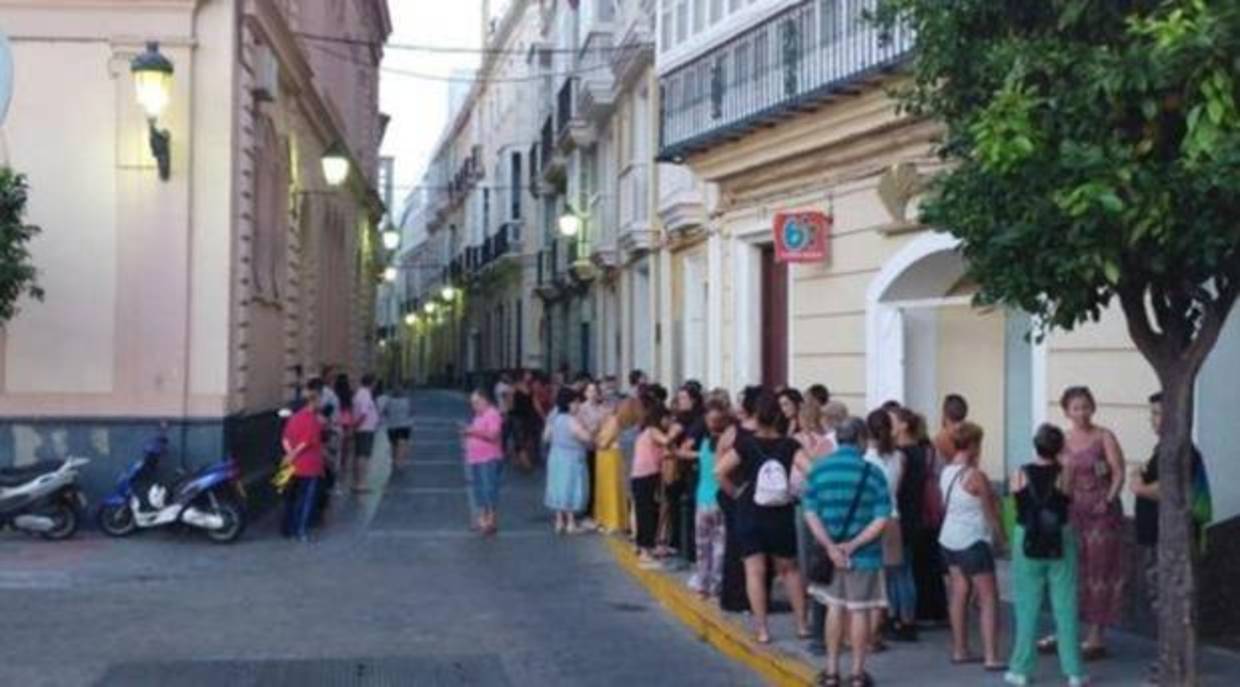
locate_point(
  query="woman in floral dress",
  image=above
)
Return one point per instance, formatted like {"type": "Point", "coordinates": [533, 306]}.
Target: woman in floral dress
{"type": "Point", "coordinates": [1096, 463]}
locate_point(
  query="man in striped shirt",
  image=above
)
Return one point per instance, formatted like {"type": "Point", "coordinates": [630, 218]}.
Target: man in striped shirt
{"type": "Point", "coordinates": [847, 505]}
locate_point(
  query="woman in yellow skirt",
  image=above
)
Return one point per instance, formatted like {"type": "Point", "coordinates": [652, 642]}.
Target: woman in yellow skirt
{"type": "Point", "coordinates": [611, 507]}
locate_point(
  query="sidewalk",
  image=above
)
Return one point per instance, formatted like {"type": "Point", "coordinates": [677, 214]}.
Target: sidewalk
{"type": "Point", "coordinates": [786, 661]}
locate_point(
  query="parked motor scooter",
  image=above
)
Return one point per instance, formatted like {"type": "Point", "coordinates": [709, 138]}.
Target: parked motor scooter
{"type": "Point", "coordinates": [42, 498]}
{"type": "Point", "coordinates": [209, 499]}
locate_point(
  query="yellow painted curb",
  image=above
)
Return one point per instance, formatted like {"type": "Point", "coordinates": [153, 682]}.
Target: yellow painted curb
{"type": "Point", "coordinates": [713, 627]}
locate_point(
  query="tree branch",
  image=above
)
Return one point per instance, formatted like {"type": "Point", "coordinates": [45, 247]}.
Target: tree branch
{"type": "Point", "coordinates": [1150, 343]}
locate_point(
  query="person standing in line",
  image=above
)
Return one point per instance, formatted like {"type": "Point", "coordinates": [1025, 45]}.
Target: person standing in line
{"type": "Point", "coordinates": [708, 520]}
{"type": "Point", "coordinates": [367, 414]}
{"type": "Point", "coordinates": [344, 424]}
{"type": "Point", "coordinates": [766, 510]}
{"type": "Point", "coordinates": [901, 593]}
{"type": "Point", "coordinates": [847, 507]}
{"type": "Point", "coordinates": [592, 413]}
{"type": "Point", "coordinates": [1096, 464]}
{"type": "Point", "coordinates": [303, 444]}
{"type": "Point", "coordinates": [970, 526]}
{"type": "Point", "coordinates": [919, 520]}
{"type": "Point", "coordinates": [567, 486]}
{"type": "Point", "coordinates": [524, 417]}
{"type": "Point", "coordinates": [648, 452]}
{"type": "Point", "coordinates": [814, 440]}
{"type": "Point", "coordinates": [397, 414]}
{"type": "Point", "coordinates": [955, 411]}
{"type": "Point", "coordinates": [687, 431]}
{"type": "Point", "coordinates": [484, 452]}
{"type": "Point", "coordinates": [611, 507]}
{"type": "Point", "coordinates": [1144, 486]}
{"type": "Point", "coordinates": [733, 597]}
{"type": "Point", "coordinates": [790, 401]}
{"type": "Point", "coordinates": [637, 384]}
{"type": "Point", "coordinates": [1044, 556]}
{"type": "Point", "coordinates": [503, 403]}
{"type": "Point", "coordinates": [819, 393]}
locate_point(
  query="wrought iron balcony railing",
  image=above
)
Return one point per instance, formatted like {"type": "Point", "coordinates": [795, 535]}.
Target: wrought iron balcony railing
{"type": "Point", "coordinates": [791, 61]}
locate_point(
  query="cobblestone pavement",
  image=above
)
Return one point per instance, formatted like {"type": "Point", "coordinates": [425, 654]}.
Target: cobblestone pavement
{"type": "Point", "coordinates": [397, 591]}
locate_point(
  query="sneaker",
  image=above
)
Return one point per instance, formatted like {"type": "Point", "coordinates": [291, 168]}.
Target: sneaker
{"type": "Point", "coordinates": [588, 524]}
{"type": "Point", "coordinates": [1015, 679]}
{"type": "Point", "coordinates": [1078, 681]}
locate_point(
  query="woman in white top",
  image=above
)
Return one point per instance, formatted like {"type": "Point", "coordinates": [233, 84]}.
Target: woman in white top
{"type": "Point", "coordinates": [970, 525]}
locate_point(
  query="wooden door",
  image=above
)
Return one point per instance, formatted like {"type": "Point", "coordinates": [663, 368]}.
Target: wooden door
{"type": "Point", "coordinates": [774, 320]}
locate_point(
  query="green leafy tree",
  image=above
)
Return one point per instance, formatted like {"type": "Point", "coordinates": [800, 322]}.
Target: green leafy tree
{"type": "Point", "coordinates": [1094, 151]}
{"type": "Point", "coordinates": [17, 273]}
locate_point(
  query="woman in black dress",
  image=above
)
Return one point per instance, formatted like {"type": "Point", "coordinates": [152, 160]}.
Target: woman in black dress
{"type": "Point", "coordinates": [733, 597]}
{"type": "Point", "coordinates": [766, 530]}
{"type": "Point", "coordinates": [917, 521]}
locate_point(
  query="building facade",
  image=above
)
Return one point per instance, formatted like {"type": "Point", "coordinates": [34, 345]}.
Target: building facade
{"type": "Point", "coordinates": [783, 104]}
{"type": "Point", "coordinates": [205, 299]}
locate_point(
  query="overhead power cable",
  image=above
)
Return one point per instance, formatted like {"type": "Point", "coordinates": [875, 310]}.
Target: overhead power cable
{"type": "Point", "coordinates": [415, 47]}
{"type": "Point", "coordinates": [458, 79]}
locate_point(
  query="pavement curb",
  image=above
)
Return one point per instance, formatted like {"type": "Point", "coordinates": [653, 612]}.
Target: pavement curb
{"type": "Point", "coordinates": [713, 627]}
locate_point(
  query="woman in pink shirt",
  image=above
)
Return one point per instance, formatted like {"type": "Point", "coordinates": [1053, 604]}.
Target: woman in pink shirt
{"type": "Point", "coordinates": [484, 452]}
{"type": "Point", "coordinates": [648, 455]}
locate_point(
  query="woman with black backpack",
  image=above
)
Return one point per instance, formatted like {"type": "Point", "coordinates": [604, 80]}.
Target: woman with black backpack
{"type": "Point", "coordinates": [1044, 556]}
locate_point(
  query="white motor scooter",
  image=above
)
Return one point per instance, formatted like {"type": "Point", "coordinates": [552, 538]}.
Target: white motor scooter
{"type": "Point", "coordinates": [42, 498]}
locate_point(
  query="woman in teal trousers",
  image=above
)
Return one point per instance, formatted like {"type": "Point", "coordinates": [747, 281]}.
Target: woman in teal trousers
{"type": "Point", "coordinates": [1044, 559]}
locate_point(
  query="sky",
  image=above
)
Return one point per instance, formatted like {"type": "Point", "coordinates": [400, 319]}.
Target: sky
{"type": "Point", "coordinates": [419, 107]}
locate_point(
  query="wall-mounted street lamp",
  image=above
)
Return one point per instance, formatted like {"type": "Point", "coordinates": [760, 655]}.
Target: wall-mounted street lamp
{"type": "Point", "coordinates": [430, 307]}
{"type": "Point", "coordinates": [570, 224]}
{"type": "Point", "coordinates": [152, 79]}
{"type": "Point", "coordinates": [411, 319]}
{"type": "Point", "coordinates": [335, 164]}
{"type": "Point", "coordinates": [391, 239]}
{"type": "Point", "coordinates": [389, 274]}
{"type": "Point", "coordinates": [448, 293]}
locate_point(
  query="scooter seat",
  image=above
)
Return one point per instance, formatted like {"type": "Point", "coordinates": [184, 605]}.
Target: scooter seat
{"type": "Point", "coordinates": [15, 476]}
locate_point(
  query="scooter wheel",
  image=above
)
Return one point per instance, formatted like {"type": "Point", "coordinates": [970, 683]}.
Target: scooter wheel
{"type": "Point", "coordinates": [234, 522]}
{"type": "Point", "coordinates": [66, 518]}
{"type": "Point", "coordinates": [117, 520]}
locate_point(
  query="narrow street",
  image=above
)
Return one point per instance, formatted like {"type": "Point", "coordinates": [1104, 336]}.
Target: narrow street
{"type": "Point", "coordinates": [397, 591]}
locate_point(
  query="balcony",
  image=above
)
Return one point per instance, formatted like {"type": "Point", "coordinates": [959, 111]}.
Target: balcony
{"type": "Point", "coordinates": [635, 234]}
{"type": "Point", "coordinates": [601, 231]}
{"type": "Point", "coordinates": [549, 285]}
{"type": "Point", "coordinates": [681, 200]}
{"type": "Point", "coordinates": [634, 51]}
{"type": "Point", "coordinates": [796, 60]}
{"type": "Point", "coordinates": [551, 161]}
{"type": "Point", "coordinates": [571, 129]}
{"type": "Point", "coordinates": [596, 96]}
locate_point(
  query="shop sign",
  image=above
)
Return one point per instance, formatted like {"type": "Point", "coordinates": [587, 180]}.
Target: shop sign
{"type": "Point", "coordinates": [802, 236]}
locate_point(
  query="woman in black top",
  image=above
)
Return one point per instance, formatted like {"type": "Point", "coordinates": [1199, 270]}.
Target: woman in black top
{"type": "Point", "coordinates": [733, 597]}
{"type": "Point", "coordinates": [921, 538]}
{"type": "Point", "coordinates": [766, 530]}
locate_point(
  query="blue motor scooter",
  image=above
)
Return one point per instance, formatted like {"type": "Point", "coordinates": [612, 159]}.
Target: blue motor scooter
{"type": "Point", "coordinates": [209, 499]}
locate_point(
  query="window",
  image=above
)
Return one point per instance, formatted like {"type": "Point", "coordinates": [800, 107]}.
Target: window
{"type": "Point", "coordinates": [828, 20]}
{"type": "Point", "coordinates": [716, 11]}
{"type": "Point", "coordinates": [514, 183]}
{"type": "Point", "coordinates": [270, 213]}
{"type": "Point", "coordinates": [740, 73]}
{"type": "Point", "coordinates": [682, 21]}
{"type": "Point", "coordinates": [486, 212]}
{"type": "Point", "coordinates": [665, 26]}
{"type": "Point", "coordinates": [699, 16]}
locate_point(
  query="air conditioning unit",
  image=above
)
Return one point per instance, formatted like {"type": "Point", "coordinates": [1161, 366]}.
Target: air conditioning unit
{"type": "Point", "coordinates": [266, 74]}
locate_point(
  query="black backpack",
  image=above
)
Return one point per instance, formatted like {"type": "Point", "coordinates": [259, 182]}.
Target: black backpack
{"type": "Point", "coordinates": [1044, 521]}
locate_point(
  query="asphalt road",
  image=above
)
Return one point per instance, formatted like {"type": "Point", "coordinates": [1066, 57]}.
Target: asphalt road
{"type": "Point", "coordinates": [397, 591]}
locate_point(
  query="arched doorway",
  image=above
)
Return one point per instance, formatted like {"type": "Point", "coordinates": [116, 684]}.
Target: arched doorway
{"type": "Point", "coordinates": [924, 339]}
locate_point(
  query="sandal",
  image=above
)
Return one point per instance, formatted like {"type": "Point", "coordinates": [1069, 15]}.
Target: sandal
{"type": "Point", "coordinates": [1094, 653]}
{"type": "Point", "coordinates": [826, 680]}
{"type": "Point", "coordinates": [862, 680]}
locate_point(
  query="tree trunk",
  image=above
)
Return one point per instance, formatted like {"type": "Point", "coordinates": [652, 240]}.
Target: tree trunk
{"type": "Point", "coordinates": [1177, 580]}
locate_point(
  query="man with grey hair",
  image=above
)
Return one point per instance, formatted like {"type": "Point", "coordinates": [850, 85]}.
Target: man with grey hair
{"type": "Point", "coordinates": [847, 504]}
